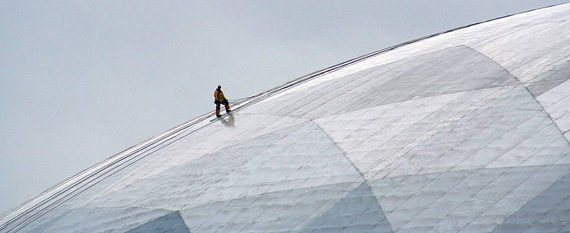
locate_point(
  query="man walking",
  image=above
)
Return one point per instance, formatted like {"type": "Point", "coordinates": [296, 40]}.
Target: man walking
{"type": "Point", "coordinates": [219, 98]}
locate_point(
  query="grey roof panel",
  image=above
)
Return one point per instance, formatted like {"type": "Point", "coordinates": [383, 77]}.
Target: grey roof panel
{"type": "Point", "coordinates": [556, 102]}
{"type": "Point", "coordinates": [550, 79]}
{"type": "Point", "coordinates": [358, 211]}
{"type": "Point", "coordinates": [96, 220]}
{"type": "Point", "coordinates": [549, 211]}
{"type": "Point", "coordinates": [170, 223]}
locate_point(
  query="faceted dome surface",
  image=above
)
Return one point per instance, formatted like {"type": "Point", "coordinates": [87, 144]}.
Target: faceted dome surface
{"type": "Point", "coordinates": [463, 131]}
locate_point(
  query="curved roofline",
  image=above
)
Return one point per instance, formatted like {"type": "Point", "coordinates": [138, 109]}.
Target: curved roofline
{"type": "Point", "coordinates": [358, 59]}
{"type": "Point", "coordinates": [49, 199]}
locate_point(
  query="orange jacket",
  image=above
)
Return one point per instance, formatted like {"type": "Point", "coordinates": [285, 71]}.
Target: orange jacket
{"type": "Point", "coordinates": [219, 95]}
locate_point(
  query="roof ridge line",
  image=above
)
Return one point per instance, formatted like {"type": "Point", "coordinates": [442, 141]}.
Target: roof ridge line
{"type": "Point", "coordinates": [295, 82]}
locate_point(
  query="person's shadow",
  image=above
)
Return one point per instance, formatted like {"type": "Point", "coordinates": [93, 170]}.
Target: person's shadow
{"type": "Point", "coordinates": [228, 122]}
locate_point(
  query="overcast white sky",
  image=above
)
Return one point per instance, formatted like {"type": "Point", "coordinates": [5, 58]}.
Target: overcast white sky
{"type": "Point", "coordinates": [83, 80]}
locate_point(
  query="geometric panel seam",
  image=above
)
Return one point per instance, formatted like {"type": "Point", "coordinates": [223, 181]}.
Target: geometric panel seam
{"type": "Point", "coordinates": [353, 165]}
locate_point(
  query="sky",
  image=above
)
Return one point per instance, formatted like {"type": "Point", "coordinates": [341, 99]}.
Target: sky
{"type": "Point", "coordinates": [83, 80]}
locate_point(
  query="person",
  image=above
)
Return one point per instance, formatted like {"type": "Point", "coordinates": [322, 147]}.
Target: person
{"type": "Point", "coordinates": [219, 98]}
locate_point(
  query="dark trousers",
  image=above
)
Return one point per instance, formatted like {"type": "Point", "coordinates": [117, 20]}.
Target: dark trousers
{"type": "Point", "coordinates": [226, 105]}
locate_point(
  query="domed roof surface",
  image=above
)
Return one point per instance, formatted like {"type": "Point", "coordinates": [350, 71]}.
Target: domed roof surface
{"type": "Point", "coordinates": [463, 131]}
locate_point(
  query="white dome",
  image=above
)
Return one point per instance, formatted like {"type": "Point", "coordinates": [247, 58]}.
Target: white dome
{"type": "Point", "coordinates": [464, 131]}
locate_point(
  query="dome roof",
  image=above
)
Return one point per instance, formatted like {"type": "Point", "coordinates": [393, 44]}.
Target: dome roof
{"type": "Point", "coordinates": [463, 131]}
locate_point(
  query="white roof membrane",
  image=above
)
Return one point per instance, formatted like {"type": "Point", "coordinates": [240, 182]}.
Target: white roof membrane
{"type": "Point", "coordinates": [465, 131]}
